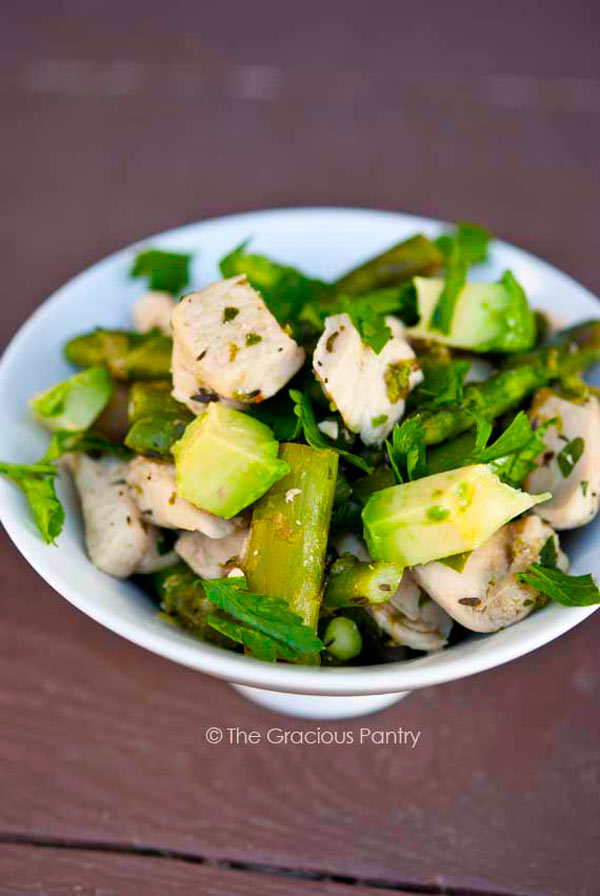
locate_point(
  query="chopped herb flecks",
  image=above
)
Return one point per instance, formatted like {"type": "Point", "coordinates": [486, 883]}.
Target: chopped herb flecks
{"type": "Point", "coordinates": [570, 454]}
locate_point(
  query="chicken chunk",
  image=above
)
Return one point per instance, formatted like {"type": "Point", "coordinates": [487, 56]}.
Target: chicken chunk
{"type": "Point", "coordinates": [228, 342]}
{"type": "Point", "coordinates": [186, 387]}
{"type": "Point", "coordinates": [155, 557]}
{"type": "Point", "coordinates": [428, 631]}
{"type": "Point", "coordinates": [116, 538]}
{"type": "Point", "coordinates": [153, 488]}
{"type": "Point", "coordinates": [213, 558]}
{"type": "Point", "coordinates": [484, 594]}
{"type": "Point", "coordinates": [407, 598]}
{"type": "Point", "coordinates": [569, 467]}
{"type": "Point", "coordinates": [152, 311]}
{"type": "Point", "coordinates": [368, 390]}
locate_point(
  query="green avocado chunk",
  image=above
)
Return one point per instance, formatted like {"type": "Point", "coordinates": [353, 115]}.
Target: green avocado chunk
{"type": "Point", "coordinates": [488, 317]}
{"type": "Point", "coordinates": [226, 460]}
{"type": "Point", "coordinates": [74, 403]}
{"type": "Point", "coordinates": [440, 515]}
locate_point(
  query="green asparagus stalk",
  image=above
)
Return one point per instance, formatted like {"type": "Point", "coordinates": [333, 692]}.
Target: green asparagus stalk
{"type": "Point", "coordinates": [156, 435]}
{"type": "Point", "coordinates": [572, 351]}
{"type": "Point", "coordinates": [149, 399]}
{"type": "Point", "coordinates": [158, 420]}
{"type": "Point", "coordinates": [354, 583]}
{"type": "Point", "coordinates": [414, 257]}
{"type": "Point", "coordinates": [181, 596]}
{"type": "Point", "coordinates": [288, 534]}
{"type": "Point", "coordinates": [128, 356]}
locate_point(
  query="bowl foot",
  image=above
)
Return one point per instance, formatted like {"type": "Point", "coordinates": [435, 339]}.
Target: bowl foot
{"type": "Point", "coordinates": [306, 706]}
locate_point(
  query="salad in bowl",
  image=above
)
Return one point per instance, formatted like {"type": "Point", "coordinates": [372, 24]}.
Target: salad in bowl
{"type": "Point", "coordinates": [344, 472]}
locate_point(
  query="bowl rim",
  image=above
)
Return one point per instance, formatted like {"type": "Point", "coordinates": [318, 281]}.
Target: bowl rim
{"type": "Point", "coordinates": [357, 680]}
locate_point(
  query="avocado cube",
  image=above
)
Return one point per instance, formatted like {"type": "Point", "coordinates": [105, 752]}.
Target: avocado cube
{"type": "Point", "coordinates": [226, 460]}
{"type": "Point", "coordinates": [440, 515]}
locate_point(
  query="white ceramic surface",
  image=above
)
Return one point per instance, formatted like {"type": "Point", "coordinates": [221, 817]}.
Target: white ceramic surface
{"type": "Point", "coordinates": [323, 242]}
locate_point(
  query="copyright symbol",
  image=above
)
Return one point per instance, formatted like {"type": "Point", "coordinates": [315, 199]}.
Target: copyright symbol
{"type": "Point", "coordinates": [213, 735]}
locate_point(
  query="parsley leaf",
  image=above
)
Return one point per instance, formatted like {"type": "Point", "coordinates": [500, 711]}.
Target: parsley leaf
{"type": "Point", "coordinates": [406, 450]}
{"type": "Point", "coordinates": [64, 441]}
{"type": "Point", "coordinates": [166, 271]}
{"type": "Point", "coordinates": [372, 327]}
{"type": "Point", "coordinates": [37, 483]}
{"type": "Point", "coordinates": [284, 289]}
{"type": "Point", "coordinates": [313, 435]}
{"type": "Point", "coordinates": [549, 554]}
{"type": "Point", "coordinates": [468, 246]}
{"type": "Point", "coordinates": [512, 455]}
{"type": "Point", "coordinates": [569, 455]}
{"type": "Point", "coordinates": [570, 591]}
{"type": "Point", "coordinates": [260, 646]}
{"type": "Point", "coordinates": [443, 384]}
{"type": "Point", "coordinates": [267, 615]}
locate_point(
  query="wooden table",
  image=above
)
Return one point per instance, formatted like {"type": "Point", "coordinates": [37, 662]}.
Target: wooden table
{"type": "Point", "coordinates": [121, 119]}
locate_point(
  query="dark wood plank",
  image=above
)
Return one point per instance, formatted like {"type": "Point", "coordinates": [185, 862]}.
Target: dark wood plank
{"type": "Point", "coordinates": [35, 871]}
{"type": "Point", "coordinates": [103, 742]}
{"type": "Point", "coordinates": [120, 121]}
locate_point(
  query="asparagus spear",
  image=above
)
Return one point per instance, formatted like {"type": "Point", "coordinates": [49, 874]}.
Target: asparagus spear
{"type": "Point", "coordinates": [288, 535]}
{"type": "Point", "coordinates": [158, 420]}
{"type": "Point", "coordinates": [128, 356]}
{"type": "Point", "coordinates": [354, 583]}
{"type": "Point", "coordinates": [156, 435]}
{"type": "Point", "coordinates": [148, 399]}
{"type": "Point", "coordinates": [181, 595]}
{"type": "Point", "coordinates": [413, 257]}
{"type": "Point", "coordinates": [571, 351]}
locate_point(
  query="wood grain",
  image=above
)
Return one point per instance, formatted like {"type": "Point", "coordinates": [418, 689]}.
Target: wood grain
{"type": "Point", "coordinates": [104, 742]}
{"type": "Point", "coordinates": [120, 121]}
{"type": "Point", "coordinates": [34, 871]}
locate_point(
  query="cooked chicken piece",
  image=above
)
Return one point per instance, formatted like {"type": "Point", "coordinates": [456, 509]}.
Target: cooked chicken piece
{"type": "Point", "coordinates": [155, 557]}
{"type": "Point", "coordinates": [569, 467]}
{"type": "Point", "coordinates": [186, 388]}
{"type": "Point", "coordinates": [429, 631]}
{"type": "Point", "coordinates": [228, 341]}
{"type": "Point", "coordinates": [348, 543]}
{"type": "Point", "coordinates": [152, 311]}
{"type": "Point", "coordinates": [407, 598]}
{"type": "Point", "coordinates": [368, 390]}
{"type": "Point", "coordinates": [481, 369]}
{"type": "Point", "coordinates": [213, 558]}
{"type": "Point", "coordinates": [116, 538]}
{"type": "Point", "coordinates": [153, 487]}
{"type": "Point", "coordinates": [485, 595]}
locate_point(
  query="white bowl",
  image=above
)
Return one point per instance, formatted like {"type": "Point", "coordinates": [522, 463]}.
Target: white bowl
{"type": "Point", "coordinates": [323, 242]}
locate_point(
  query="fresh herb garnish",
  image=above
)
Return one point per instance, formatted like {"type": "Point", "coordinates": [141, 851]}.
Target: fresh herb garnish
{"type": "Point", "coordinates": [406, 450]}
{"type": "Point", "coordinates": [468, 246]}
{"type": "Point", "coordinates": [313, 435]}
{"type": "Point", "coordinates": [570, 591]}
{"type": "Point", "coordinates": [37, 483]}
{"type": "Point", "coordinates": [569, 455]}
{"type": "Point", "coordinates": [397, 380]}
{"type": "Point", "coordinates": [63, 442]}
{"type": "Point", "coordinates": [372, 327]}
{"type": "Point", "coordinates": [513, 454]}
{"type": "Point", "coordinates": [269, 617]}
{"type": "Point", "coordinates": [437, 514]}
{"type": "Point", "coordinates": [284, 289]}
{"type": "Point", "coordinates": [457, 562]}
{"type": "Point", "coordinates": [443, 384]}
{"type": "Point", "coordinates": [549, 554]}
{"type": "Point", "coordinates": [166, 271]}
